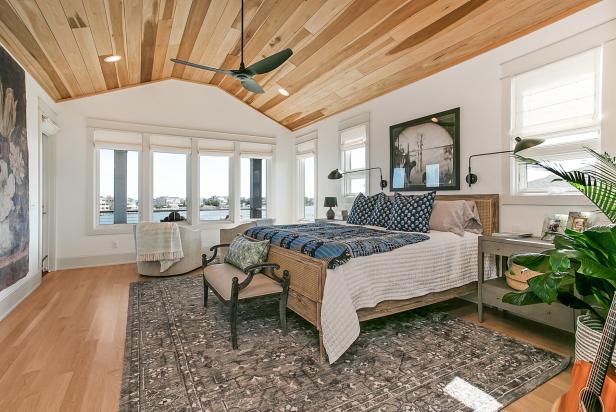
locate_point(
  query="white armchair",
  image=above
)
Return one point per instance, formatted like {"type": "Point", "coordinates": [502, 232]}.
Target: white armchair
{"type": "Point", "coordinates": [191, 246]}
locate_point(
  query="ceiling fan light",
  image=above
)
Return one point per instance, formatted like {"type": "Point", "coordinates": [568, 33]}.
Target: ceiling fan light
{"type": "Point", "coordinates": [283, 92]}
{"type": "Point", "coordinates": [113, 58]}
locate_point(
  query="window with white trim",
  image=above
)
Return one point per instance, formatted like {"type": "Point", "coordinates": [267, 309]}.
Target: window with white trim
{"type": "Point", "coordinates": [215, 192]}
{"type": "Point", "coordinates": [561, 103]}
{"type": "Point", "coordinates": [354, 155]}
{"type": "Point", "coordinates": [255, 160]}
{"type": "Point", "coordinates": [305, 155]}
{"type": "Point", "coordinates": [170, 156]}
{"type": "Point", "coordinates": [117, 165]}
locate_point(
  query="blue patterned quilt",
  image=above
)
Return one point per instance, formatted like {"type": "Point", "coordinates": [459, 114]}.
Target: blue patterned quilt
{"type": "Point", "coordinates": [336, 244]}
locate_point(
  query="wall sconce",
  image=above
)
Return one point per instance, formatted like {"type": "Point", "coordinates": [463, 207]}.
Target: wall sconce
{"type": "Point", "coordinates": [521, 144]}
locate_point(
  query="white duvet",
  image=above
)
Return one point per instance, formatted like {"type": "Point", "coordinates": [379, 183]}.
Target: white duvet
{"type": "Point", "coordinates": [443, 262]}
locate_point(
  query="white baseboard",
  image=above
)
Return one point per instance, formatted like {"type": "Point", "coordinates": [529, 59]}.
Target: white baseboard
{"type": "Point", "coordinates": [89, 261]}
{"type": "Point", "coordinates": [14, 294]}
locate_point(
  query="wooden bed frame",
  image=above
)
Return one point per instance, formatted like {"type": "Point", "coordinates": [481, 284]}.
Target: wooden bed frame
{"type": "Point", "coordinates": [307, 275]}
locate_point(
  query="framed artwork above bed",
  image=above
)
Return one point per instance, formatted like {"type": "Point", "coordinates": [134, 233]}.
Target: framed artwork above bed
{"type": "Point", "coordinates": [425, 153]}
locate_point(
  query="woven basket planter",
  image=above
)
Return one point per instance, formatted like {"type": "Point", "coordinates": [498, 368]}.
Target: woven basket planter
{"type": "Point", "coordinates": [587, 339]}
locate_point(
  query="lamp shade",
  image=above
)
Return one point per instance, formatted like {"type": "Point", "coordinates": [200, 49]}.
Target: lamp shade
{"type": "Point", "coordinates": [330, 202]}
{"type": "Point", "coordinates": [523, 144]}
{"type": "Point", "coordinates": [334, 175]}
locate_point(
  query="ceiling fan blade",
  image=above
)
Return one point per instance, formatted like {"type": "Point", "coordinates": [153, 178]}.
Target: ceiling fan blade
{"type": "Point", "coordinates": [252, 86]}
{"type": "Point", "coordinates": [270, 63]}
{"type": "Point", "coordinates": [199, 66]}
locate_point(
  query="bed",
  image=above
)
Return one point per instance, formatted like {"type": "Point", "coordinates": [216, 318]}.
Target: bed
{"type": "Point", "coordinates": [336, 300]}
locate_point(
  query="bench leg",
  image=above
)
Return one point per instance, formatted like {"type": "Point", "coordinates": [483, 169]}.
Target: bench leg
{"type": "Point", "coordinates": [234, 299]}
{"type": "Point", "coordinates": [283, 302]}
{"type": "Point", "coordinates": [205, 292]}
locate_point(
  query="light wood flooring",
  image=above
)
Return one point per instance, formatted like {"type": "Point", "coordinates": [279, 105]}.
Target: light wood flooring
{"type": "Point", "coordinates": [62, 348]}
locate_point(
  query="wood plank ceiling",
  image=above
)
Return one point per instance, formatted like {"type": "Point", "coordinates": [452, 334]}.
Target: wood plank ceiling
{"type": "Point", "coordinates": [345, 51]}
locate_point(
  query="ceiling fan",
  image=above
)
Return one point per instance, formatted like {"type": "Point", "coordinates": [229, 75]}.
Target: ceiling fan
{"type": "Point", "coordinates": [245, 74]}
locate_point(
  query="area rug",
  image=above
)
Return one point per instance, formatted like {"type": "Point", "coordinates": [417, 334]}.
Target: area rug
{"type": "Point", "coordinates": [178, 358]}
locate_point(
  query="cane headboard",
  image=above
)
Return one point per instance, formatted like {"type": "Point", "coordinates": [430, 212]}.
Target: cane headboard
{"type": "Point", "coordinates": [487, 206]}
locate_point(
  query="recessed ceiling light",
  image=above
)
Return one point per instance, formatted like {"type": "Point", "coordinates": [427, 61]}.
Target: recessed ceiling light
{"type": "Point", "coordinates": [112, 58]}
{"type": "Point", "coordinates": [283, 92]}
{"type": "Point", "coordinates": [434, 119]}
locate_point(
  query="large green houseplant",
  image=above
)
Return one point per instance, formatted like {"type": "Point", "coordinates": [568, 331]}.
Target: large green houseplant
{"type": "Point", "coordinates": [580, 272]}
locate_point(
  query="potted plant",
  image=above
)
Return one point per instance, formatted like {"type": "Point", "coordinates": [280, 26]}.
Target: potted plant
{"type": "Point", "coordinates": [580, 272]}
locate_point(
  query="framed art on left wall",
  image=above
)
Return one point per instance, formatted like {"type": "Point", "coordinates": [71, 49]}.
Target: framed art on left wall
{"type": "Point", "coordinates": [425, 153]}
{"type": "Point", "coordinates": [14, 185]}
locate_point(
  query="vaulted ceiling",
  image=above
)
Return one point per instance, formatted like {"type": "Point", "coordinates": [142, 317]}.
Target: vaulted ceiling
{"type": "Point", "coordinates": [345, 51]}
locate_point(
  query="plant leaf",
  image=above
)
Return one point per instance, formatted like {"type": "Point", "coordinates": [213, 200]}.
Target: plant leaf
{"type": "Point", "coordinates": [597, 270]}
{"type": "Point", "coordinates": [570, 300]}
{"type": "Point", "coordinates": [538, 262]}
{"type": "Point", "coordinates": [559, 261]}
{"type": "Point", "coordinates": [523, 298]}
{"type": "Point", "coordinates": [546, 286]}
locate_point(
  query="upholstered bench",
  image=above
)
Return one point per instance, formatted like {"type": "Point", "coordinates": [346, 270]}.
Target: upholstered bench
{"type": "Point", "coordinates": [232, 285]}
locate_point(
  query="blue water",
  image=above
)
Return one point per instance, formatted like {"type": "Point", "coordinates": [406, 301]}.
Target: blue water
{"type": "Point", "coordinates": [106, 218]}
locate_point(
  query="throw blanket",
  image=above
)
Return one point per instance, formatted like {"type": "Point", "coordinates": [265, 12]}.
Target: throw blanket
{"type": "Point", "coordinates": [159, 242]}
{"type": "Point", "coordinates": [336, 244]}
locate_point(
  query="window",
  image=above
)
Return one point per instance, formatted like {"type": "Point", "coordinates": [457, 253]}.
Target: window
{"type": "Point", "coordinates": [117, 178]}
{"type": "Point", "coordinates": [139, 176]}
{"type": "Point", "coordinates": [306, 187]}
{"type": "Point", "coordinates": [559, 102]}
{"type": "Point", "coordinates": [168, 185]}
{"type": "Point", "coordinates": [214, 187]}
{"type": "Point", "coordinates": [353, 142]}
{"type": "Point", "coordinates": [118, 186]}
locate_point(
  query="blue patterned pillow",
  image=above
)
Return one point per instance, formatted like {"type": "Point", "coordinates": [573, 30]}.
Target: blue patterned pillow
{"type": "Point", "coordinates": [361, 210]}
{"type": "Point", "coordinates": [411, 213]}
{"type": "Point", "coordinates": [382, 210]}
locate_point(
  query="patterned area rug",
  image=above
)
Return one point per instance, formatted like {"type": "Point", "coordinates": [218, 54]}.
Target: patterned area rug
{"type": "Point", "coordinates": [178, 357]}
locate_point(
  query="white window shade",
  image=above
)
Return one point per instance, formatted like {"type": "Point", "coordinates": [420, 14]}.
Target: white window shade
{"type": "Point", "coordinates": [306, 149]}
{"type": "Point", "coordinates": [256, 150]}
{"type": "Point", "coordinates": [170, 144]}
{"type": "Point", "coordinates": [111, 139]}
{"type": "Point", "coordinates": [558, 96]}
{"type": "Point", "coordinates": [216, 147]}
{"type": "Point", "coordinates": [353, 137]}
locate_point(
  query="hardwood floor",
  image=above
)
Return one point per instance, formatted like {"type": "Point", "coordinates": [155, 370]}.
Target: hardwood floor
{"type": "Point", "coordinates": [62, 347]}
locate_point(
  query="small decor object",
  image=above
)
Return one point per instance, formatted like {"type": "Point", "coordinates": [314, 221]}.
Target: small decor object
{"type": "Point", "coordinates": [330, 202]}
{"type": "Point", "coordinates": [173, 217]}
{"type": "Point", "coordinates": [411, 213]}
{"type": "Point", "coordinates": [14, 183]}
{"type": "Point", "coordinates": [553, 225]}
{"type": "Point", "coordinates": [345, 214]}
{"type": "Point", "coordinates": [578, 221]}
{"type": "Point", "coordinates": [517, 276]}
{"type": "Point", "coordinates": [425, 153]}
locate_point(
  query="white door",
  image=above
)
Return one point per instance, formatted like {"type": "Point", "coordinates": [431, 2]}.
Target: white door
{"type": "Point", "coordinates": [46, 187]}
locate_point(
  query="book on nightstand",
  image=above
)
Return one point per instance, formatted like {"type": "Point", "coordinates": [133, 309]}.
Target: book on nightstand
{"type": "Point", "coordinates": [509, 235]}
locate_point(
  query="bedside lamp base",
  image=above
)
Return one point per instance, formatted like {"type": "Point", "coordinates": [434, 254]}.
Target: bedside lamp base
{"type": "Point", "coordinates": [330, 214]}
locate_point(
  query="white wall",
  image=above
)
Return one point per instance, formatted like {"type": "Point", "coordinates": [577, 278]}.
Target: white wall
{"type": "Point", "coordinates": [169, 103]}
{"type": "Point", "coordinates": [475, 87]}
{"type": "Point", "coordinates": [35, 98]}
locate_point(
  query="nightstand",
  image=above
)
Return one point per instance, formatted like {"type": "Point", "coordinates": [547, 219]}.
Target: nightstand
{"type": "Point", "coordinates": [491, 292]}
{"type": "Point", "coordinates": [328, 220]}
